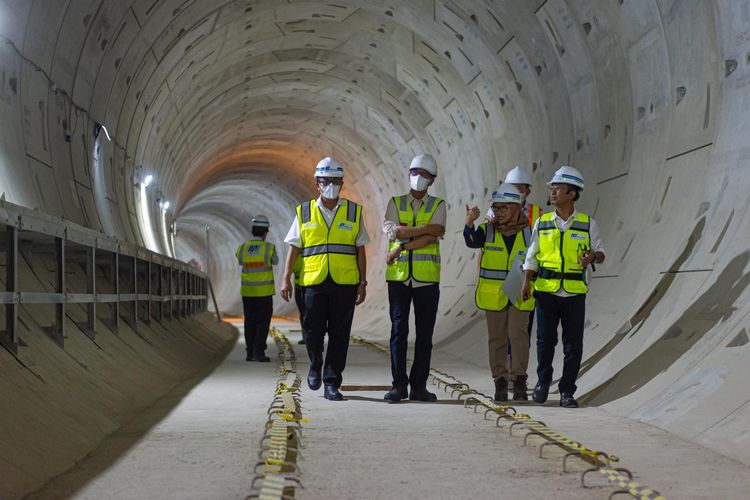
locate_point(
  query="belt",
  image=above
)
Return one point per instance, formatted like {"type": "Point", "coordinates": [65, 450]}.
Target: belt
{"type": "Point", "coordinates": [554, 275]}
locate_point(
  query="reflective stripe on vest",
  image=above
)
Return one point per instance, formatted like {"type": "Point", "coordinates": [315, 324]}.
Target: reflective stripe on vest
{"type": "Point", "coordinates": [423, 264]}
{"type": "Point", "coordinates": [256, 269]}
{"type": "Point", "coordinates": [329, 251]}
{"type": "Point", "coordinates": [559, 253]}
{"type": "Point", "coordinates": [495, 267]}
{"type": "Point", "coordinates": [535, 211]}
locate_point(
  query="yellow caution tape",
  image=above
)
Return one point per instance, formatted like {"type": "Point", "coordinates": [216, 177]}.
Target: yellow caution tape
{"type": "Point", "coordinates": [284, 412]}
{"type": "Point", "coordinates": [536, 428]}
{"type": "Point", "coordinates": [629, 486]}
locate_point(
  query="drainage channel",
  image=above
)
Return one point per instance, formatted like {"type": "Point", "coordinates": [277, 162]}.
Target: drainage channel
{"type": "Point", "coordinates": [601, 462]}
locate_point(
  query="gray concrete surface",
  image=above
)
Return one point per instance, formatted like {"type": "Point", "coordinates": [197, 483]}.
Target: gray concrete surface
{"type": "Point", "coordinates": [203, 442]}
{"type": "Point", "coordinates": [229, 105]}
{"type": "Point", "coordinates": [199, 441]}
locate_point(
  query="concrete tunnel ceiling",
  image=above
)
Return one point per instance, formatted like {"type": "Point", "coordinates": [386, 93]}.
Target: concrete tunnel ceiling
{"type": "Point", "coordinates": [229, 105]}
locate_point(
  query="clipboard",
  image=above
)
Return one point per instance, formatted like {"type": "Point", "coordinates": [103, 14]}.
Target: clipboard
{"type": "Point", "coordinates": [514, 281]}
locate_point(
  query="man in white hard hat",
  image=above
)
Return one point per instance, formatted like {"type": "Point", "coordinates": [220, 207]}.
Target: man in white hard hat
{"type": "Point", "coordinates": [329, 234]}
{"type": "Point", "coordinates": [413, 222]}
{"type": "Point", "coordinates": [521, 180]}
{"type": "Point", "coordinates": [563, 244]}
{"type": "Point", "coordinates": [256, 258]}
{"type": "Point", "coordinates": [502, 241]}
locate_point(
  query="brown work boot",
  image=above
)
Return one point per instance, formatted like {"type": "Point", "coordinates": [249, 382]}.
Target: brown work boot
{"type": "Point", "coordinates": [520, 390]}
{"type": "Point", "coordinates": [501, 389]}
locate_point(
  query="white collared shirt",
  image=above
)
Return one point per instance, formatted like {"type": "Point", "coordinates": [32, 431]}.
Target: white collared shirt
{"type": "Point", "coordinates": [532, 264]}
{"type": "Point", "coordinates": [294, 238]}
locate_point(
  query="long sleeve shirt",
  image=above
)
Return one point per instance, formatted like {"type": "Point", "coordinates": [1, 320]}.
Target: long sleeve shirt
{"type": "Point", "coordinates": [474, 237]}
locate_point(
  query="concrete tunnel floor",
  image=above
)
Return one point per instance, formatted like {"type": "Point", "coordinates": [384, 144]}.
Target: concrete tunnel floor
{"type": "Point", "coordinates": [207, 444]}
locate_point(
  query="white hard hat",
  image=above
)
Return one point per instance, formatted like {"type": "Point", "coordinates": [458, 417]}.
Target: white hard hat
{"type": "Point", "coordinates": [567, 175]}
{"type": "Point", "coordinates": [328, 167]}
{"type": "Point", "coordinates": [506, 193]}
{"type": "Point", "coordinates": [425, 162]}
{"type": "Point", "coordinates": [260, 221]}
{"type": "Point", "coordinates": [518, 175]}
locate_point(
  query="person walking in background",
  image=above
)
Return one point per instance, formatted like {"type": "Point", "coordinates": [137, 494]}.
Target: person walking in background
{"type": "Point", "coordinates": [256, 258]}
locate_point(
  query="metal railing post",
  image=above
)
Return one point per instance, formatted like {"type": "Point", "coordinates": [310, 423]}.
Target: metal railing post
{"type": "Point", "coordinates": [9, 338]}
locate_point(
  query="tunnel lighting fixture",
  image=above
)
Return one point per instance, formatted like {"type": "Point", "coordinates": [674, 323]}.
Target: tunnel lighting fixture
{"type": "Point", "coordinates": [147, 227]}
{"type": "Point", "coordinates": [106, 133]}
{"type": "Point", "coordinates": [165, 233]}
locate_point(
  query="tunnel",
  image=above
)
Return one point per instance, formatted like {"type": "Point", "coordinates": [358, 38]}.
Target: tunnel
{"type": "Point", "coordinates": [168, 125]}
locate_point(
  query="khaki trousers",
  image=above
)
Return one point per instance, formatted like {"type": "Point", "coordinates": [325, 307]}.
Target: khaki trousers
{"type": "Point", "coordinates": [510, 323]}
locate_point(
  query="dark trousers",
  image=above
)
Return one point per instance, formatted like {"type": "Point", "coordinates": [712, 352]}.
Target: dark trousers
{"type": "Point", "coordinates": [328, 306]}
{"type": "Point", "coordinates": [552, 310]}
{"type": "Point", "coordinates": [258, 312]}
{"type": "Point", "coordinates": [425, 300]}
{"type": "Point", "coordinates": [299, 299]}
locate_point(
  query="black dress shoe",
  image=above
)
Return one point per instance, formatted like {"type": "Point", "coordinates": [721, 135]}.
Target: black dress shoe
{"type": "Point", "coordinates": [396, 394]}
{"type": "Point", "coordinates": [313, 379]}
{"type": "Point", "coordinates": [249, 356]}
{"type": "Point", "coordinates": [261, 357]}
{"type": "Point", "coordinates": [541, 391]}
{"type": "Point", "coordinates": [331, 393]}
{"type": "Point", "coordinates": [301, 342]}
{"type": "Point", "coordinates": [568, 401]}
{"type": "Point", "coordinates": [421, 395]}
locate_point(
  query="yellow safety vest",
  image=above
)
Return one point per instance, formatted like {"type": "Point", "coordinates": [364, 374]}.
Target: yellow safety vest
{"type": "Point", "coordinates": [423, 264]}
{"type": "Point", "coordinates": [496, 264]}
{"type": "Point", "coordinates": [254, 258]}
{"type": "Point", "coordinates": [329, 251]}
{"type": "Point", "coordinates": [559, 253]}
{"type": "Point", "coordinates": [297, 270]}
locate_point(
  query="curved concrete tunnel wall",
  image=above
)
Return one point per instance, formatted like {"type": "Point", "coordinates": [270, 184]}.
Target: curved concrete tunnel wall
{"type": "Point", "coordinates": [230, 104]}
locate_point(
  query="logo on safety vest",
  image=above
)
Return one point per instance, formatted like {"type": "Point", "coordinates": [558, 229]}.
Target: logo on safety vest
{"type": "Point", "coordinates": [345, 226]}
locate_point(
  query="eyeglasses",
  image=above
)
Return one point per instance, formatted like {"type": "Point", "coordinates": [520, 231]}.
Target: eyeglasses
{"type": "Point", "coordinates": [500, 208]}
{"type": "Point", "coordinates": [324, 181]}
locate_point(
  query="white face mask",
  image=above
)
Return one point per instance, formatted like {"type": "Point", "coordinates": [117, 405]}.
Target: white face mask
{"type": "Point", "coordinates": [331, 191]}
{"type": "Point", "coordinates": [418, 183]}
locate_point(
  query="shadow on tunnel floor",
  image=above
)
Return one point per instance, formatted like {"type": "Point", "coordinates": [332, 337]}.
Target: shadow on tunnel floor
{"type": "Point", "coordinates": [117, 444]}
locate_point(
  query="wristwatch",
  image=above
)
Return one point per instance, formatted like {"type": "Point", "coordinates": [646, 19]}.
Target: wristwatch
{"type": "Point", "coordinates": [363, 282]}
{"type": "Point", "coordinates": [402, 246]}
